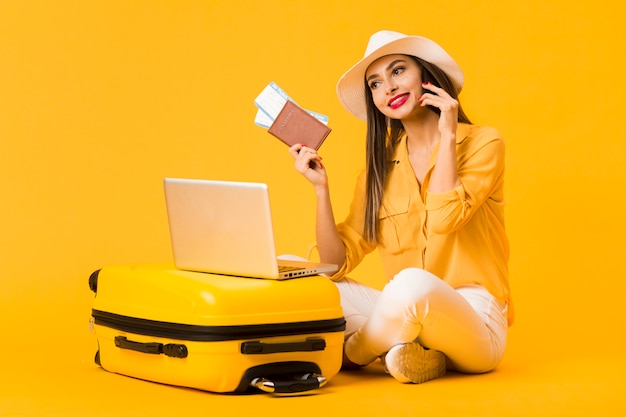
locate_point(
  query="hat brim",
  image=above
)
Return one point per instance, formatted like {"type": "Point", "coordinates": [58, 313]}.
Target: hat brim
{"type": "Point", "coordinates": [350, 87]}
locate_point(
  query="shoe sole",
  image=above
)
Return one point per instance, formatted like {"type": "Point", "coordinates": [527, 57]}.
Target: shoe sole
{"type": "Point", "coordinates": [412, 363]}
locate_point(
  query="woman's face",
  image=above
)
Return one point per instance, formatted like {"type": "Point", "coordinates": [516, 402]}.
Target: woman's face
{"type": "Point", "coordinates": [395, 82]}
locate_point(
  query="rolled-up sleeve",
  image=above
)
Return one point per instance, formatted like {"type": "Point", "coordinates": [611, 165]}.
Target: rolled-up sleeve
{"type": "Point", "coordinates": [351, 232]}
{"type": "Point", "coordinates": [481, 171]}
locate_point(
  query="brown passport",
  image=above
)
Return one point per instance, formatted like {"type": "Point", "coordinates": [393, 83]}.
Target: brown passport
{"type": "Point", "coordinates": [294, 125]}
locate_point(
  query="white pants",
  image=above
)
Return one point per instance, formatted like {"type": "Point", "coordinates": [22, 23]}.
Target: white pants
{"type": "Point", "coordinates": [467, 324]}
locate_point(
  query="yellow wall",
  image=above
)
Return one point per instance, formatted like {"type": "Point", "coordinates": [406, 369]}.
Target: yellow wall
{"type": "Point", "coordinates": [99, 100]}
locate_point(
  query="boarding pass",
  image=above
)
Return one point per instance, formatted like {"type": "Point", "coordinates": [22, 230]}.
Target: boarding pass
{"type": "Point", "coordinates": [271, 101]}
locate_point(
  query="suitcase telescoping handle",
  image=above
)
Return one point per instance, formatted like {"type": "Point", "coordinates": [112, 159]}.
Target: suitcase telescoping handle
{"type": "Point", "coordinates": [171, 349]}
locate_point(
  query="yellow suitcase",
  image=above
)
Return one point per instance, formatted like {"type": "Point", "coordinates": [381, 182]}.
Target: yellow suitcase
{"type": "Point", "coordinates": [215, 332]}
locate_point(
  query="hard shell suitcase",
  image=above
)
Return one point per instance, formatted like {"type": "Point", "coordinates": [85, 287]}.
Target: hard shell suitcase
{"type": "Point", "coordinates": [215, 332]}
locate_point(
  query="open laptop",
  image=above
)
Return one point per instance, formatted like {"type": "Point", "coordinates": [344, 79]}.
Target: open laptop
{"type": "Point", "coordinates": [225, 227]}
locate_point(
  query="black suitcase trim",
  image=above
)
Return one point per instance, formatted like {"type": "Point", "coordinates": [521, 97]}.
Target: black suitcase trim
{"type": "Point", "coordinates": [199, 333]}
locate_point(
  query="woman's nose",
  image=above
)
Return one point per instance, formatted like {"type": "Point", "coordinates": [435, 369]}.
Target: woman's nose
{"type": "Point", "coordinates": [391, 87]}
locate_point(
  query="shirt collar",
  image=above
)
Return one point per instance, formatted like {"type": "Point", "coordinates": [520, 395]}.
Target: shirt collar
{"type": "Point", "coordinates": [462, 132]}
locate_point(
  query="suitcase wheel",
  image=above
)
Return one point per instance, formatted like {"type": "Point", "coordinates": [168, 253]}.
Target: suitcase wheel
{"type": "Point", "coordinates": [93, 281]}
{"type": "Point", "coordinates": [282, 378]}
{"type": "Point", "coordinates": [306, 382]}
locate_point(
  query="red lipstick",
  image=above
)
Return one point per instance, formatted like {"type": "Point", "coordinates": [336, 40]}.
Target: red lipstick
{"type": "Point", "coordinates": [398, 100]}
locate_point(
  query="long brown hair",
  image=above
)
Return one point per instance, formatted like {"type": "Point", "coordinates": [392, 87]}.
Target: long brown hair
{"type": "Point", "coordinates": [383, 135]}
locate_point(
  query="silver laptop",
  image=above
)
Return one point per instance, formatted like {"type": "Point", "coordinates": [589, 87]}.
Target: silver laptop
{"type": "Point", "coordinates": [225, 227]}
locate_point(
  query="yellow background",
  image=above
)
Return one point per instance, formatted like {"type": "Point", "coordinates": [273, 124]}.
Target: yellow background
{"type": "Point", "coordinates": [100, 100]}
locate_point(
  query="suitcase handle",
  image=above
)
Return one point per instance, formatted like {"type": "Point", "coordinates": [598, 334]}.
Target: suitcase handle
{"type": "Point", "coordinates": [262, 348]}
{"type": "Point", "coordinates": [307, 382]}
{"type": "Point", "coordinates": [153, 348]}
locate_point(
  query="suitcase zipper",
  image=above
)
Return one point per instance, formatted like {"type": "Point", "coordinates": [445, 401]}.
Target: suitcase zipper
{"type": "Point", "coordinates": [213, 333]}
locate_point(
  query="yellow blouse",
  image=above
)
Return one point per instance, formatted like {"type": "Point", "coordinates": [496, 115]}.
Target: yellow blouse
{"type": "Point", "coordinates": [457, 235]}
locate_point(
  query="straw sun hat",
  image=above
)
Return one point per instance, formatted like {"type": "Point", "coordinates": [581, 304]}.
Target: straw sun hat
{"type": "Point", "coordinates": [350, 87]}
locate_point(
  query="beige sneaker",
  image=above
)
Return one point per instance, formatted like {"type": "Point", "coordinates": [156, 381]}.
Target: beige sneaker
{"type": "Point", "coordinates": [411, 362]}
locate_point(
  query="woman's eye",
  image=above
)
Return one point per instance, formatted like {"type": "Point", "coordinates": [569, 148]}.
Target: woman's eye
{"type": "Point", "coordinates": [398, 70]}
{"type": "Point", "coordinates": [374, 84]}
